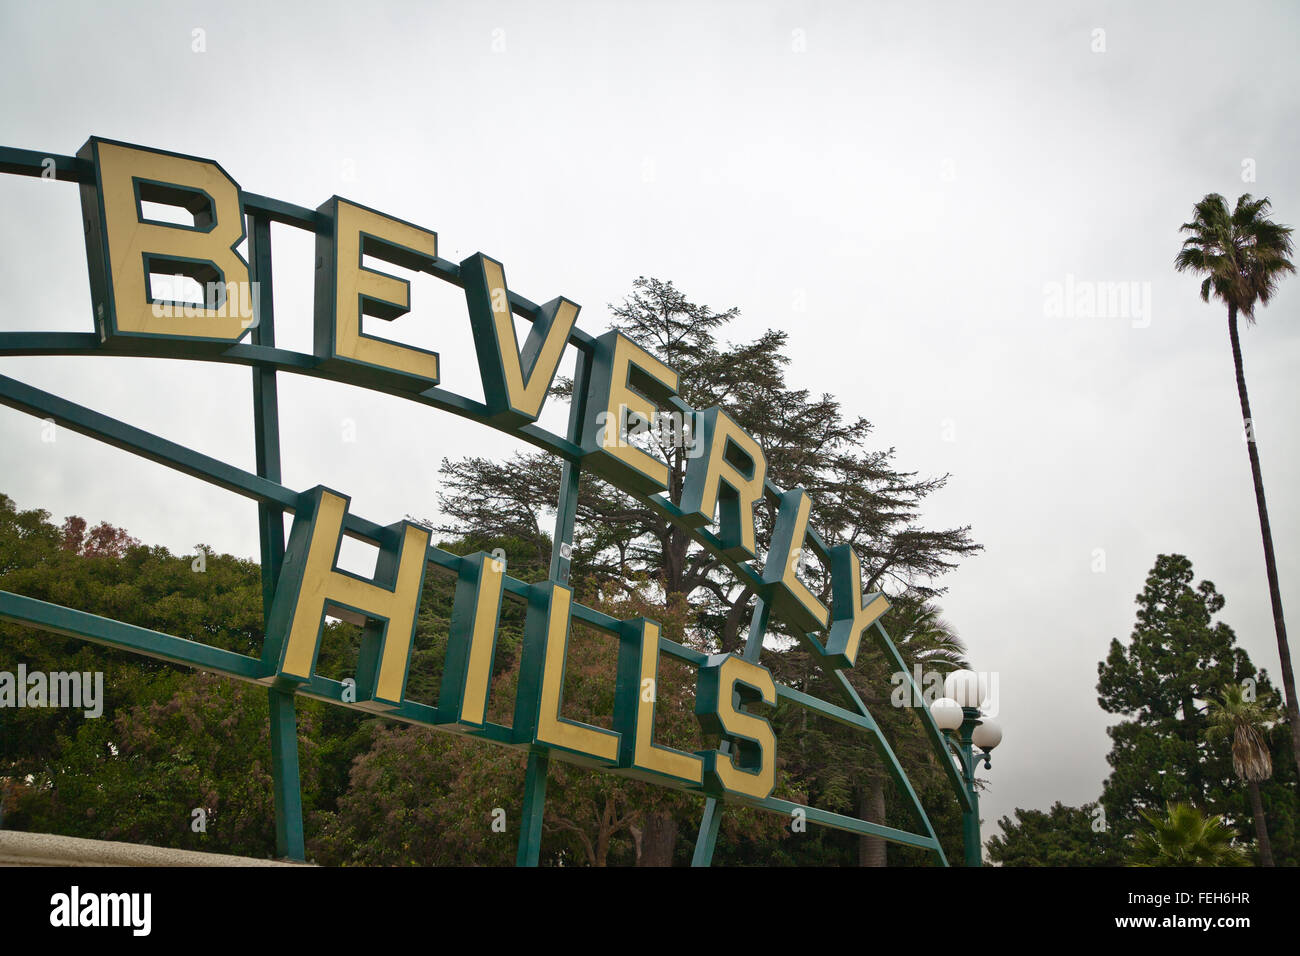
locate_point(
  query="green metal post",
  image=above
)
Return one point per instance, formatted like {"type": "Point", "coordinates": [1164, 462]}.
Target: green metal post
{"type": "Point", "coordinates": [266, 411]}
{"type": "Point", "coordinates": [707, 839]}
{"type": "Point", "coordinates": [286, 789]}
{"type": "Point", "coordinates": [530, 827]}
{"type": "Point", "coordinates": [970, 818]}
{"type": "Point", "coordinates": [285, 783]}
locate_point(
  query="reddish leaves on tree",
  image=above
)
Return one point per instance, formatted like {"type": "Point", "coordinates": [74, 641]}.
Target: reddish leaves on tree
{"type": "Point", "coordinates": [103, 540]}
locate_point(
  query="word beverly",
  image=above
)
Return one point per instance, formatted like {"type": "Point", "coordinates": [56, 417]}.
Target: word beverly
{"type": "Point", "coordinates": [627, 393]}
{"type": "Point", "coordinates": [74, 909]}
{"type": "Point", "coordinates": [59, 689]}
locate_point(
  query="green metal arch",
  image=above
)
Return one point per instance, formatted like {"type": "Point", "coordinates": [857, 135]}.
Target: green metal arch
{"type": "Point", "coordinates": [265, 361]}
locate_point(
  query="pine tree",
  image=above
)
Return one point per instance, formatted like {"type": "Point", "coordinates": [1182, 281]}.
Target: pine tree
{"type": "Point", "coordinates": [1177, 659]}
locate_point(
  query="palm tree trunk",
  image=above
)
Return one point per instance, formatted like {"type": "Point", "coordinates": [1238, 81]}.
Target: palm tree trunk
{"type": "Point", "coordinates": [1270, 563]}
{"type": "Point", "coordinates": [871, 807]}
{"type": "Point", "coordinates": [1261, 828]}
{"type": "Point", "coordinates": [658, 840]}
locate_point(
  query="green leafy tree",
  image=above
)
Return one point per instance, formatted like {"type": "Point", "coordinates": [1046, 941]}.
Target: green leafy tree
{"type": "Point", "coordinates": [169, 741]}
{"type": "Point", "coordinates": [1185, 836]}
{"type": "Point", "coordinates": [860, 496]}
{"type": "Point", "coordinates": [1243, 254]}
{"type": "Point", "coordinates": [191, 772]}
{"type": "Point", "coordinates": [1061, 836]}
{"type": "Point", "coordinates": [417, 797]}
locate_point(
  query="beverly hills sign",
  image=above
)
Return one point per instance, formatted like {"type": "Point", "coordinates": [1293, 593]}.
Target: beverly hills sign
{"type": "Point", "coordinates": [620, 390]}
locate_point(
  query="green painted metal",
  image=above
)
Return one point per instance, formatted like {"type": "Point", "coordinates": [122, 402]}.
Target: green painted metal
{"type": "Point", "coordinates": [286, 783]}
{"type": "Point", "coordinates": [31, 162]}
{"type": "Point", "coordinates": [42, 404]}
{"type": "Point", "coordinates": [530, 827]}
{"type": "Point", "coordinates": [274, 501]}
{"type": "Point", "coordinates": [566, 512]}
{"type": "Point", "coordinates": [707, 839]}
{"type": "Point", "coordinates": [860, 718]}
{"type": "Point", "coordinates": [127, 637]}
{"type": "Point", "coordinates": [68, 622]}
{"type": "Point", "coordinates": [819, 706]}
{"type": "Point", "coordinates": [266, 413]}
{"type": "Point", "coordinates": [970, 814]}
{"type": "Point", "coordinates": [932, 732]}
{"type": "Point", "coordinates": [901, 781]}
{"type": "Point", "coordinates": [839, 821]}
{"type": "Point", "coordinates": [75, 343]}
{"type": "Point", "coordinates": [530, 831]}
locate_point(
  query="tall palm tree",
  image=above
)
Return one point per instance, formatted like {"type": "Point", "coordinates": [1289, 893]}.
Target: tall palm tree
{"type": "Point", "coordinates": [1242, 255]}
{"type": "Point", "coordinates": [1245, 722]}
{"type": "Point", "coordinates": [1185, 837]}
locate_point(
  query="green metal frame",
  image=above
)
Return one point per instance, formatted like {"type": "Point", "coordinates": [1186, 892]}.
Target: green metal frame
{"type": "Point", "coordinates": [274, 500]}
{"type": "Point", "coordinates": [962, 746]}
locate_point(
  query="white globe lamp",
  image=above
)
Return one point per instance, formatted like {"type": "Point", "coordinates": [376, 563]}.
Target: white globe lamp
{"type": "Point", "coordinates": [947, 713]}
{"type": "Point", "coordinates": [987, 735]}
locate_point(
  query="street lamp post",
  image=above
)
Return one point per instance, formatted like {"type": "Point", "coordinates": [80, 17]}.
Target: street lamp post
{"type": "Point", "coordinates": [964, 728]}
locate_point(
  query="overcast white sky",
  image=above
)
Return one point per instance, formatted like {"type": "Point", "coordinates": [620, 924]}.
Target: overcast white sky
{"type": "Point", "coordinates": [914, 175]}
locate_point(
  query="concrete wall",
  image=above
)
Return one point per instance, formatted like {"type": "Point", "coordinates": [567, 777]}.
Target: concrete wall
{"type": "Point", "coordinates": [47, 849]}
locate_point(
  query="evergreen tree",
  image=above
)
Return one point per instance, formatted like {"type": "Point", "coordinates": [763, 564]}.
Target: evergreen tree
{"type": "Point", "coordinates": [622, 546]}
{"type": "Point", "coordinates": [1061, 836]}
{"type": "Point", "coordinates": [1177, 659]}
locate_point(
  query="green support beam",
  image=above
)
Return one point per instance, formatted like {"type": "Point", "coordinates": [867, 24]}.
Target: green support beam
{"type": "Point", "coordinates": [530, 827]}
{"type": "Point", "coordinates": [530, 831]}
{"type": "Point", "coordinates": [286, 783]}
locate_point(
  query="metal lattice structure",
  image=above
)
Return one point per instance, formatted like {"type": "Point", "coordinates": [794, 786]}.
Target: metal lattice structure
{"type": "Point", "coordinates": [258, 351]}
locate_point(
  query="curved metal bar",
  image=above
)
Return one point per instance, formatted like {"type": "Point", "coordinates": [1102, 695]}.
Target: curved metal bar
{"type": "Point", "coordinates": [936, 738]}
{"type": "Point", "coordinates": [886, 753]}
